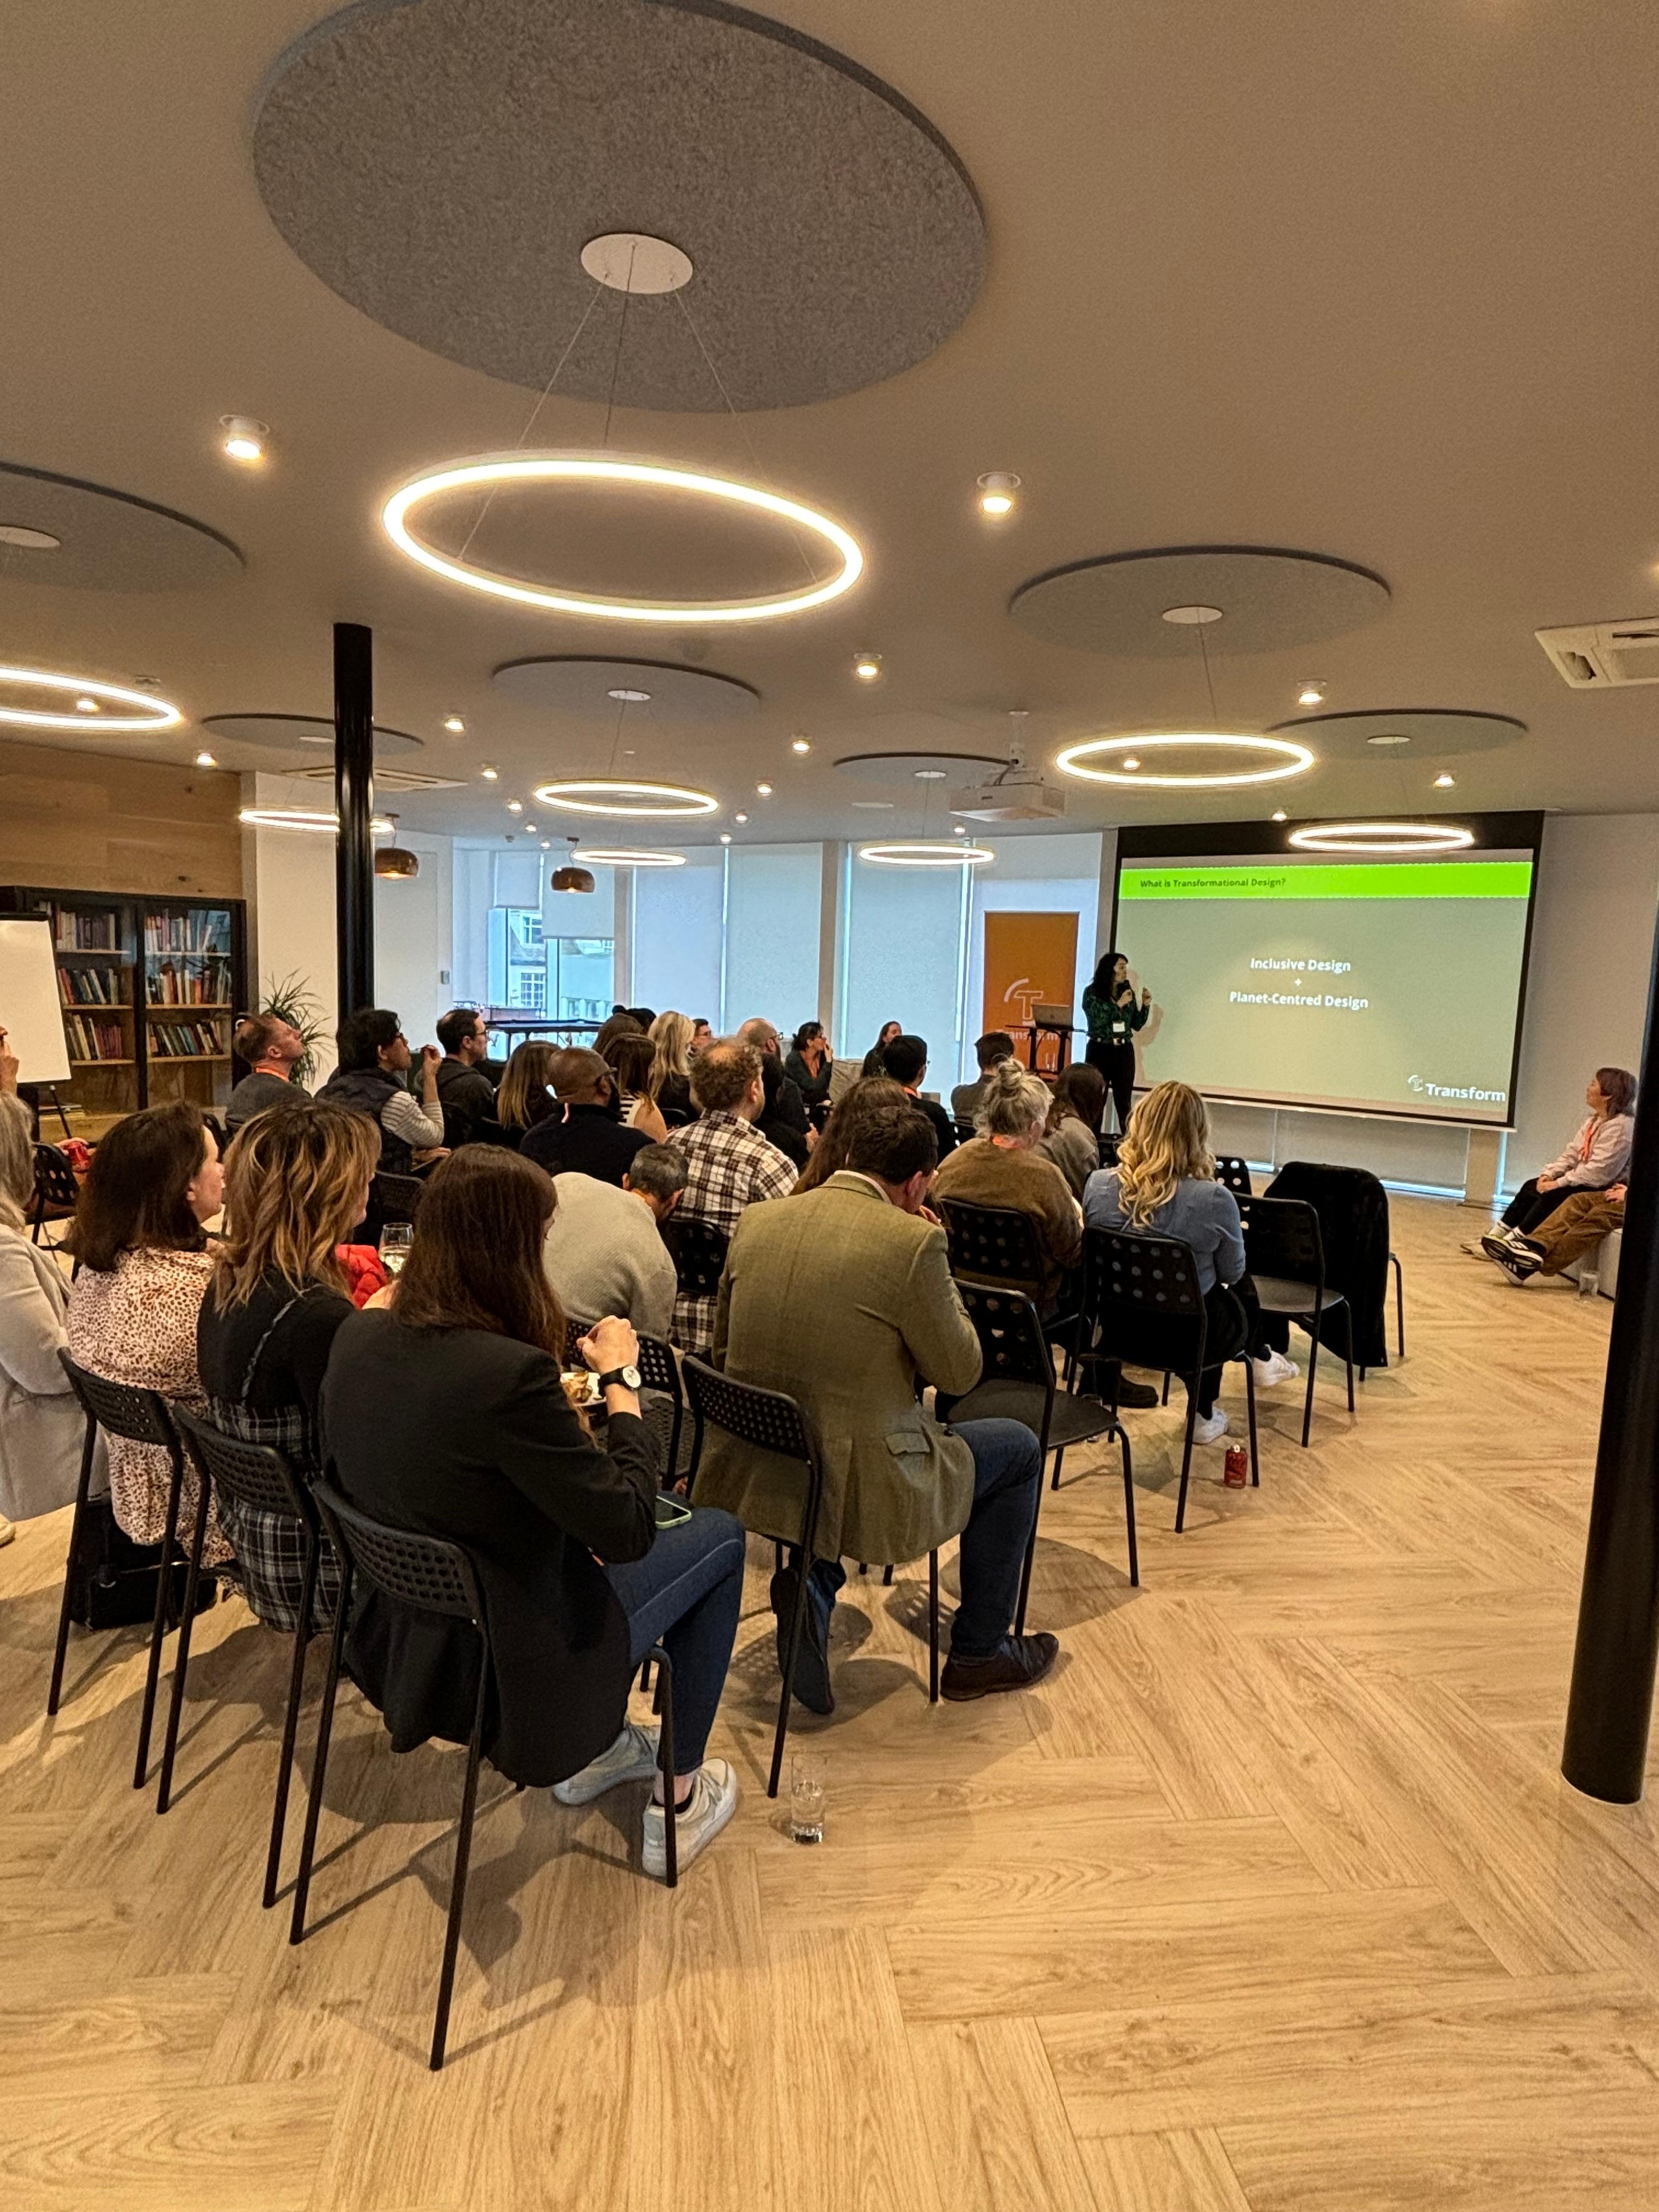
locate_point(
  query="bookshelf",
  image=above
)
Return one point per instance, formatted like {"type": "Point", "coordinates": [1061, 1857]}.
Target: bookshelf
{"type": "Point", "coordinates": [149, 988]}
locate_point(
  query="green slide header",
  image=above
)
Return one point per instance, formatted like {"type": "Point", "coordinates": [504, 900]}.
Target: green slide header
{"type": "Point", "coordinates": [1336, 879]}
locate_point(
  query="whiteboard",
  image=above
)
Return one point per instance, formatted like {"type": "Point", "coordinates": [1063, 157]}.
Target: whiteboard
{"type": "Point", "coordinates": [30, 1011]}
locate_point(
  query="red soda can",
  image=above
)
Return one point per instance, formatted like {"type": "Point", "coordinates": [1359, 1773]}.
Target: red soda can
{"type": "Point", "coordinates": [1236, 1473]}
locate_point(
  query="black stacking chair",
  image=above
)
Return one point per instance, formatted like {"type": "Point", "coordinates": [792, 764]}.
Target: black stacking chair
{"type": "Point", "coordinates": [1233, 1174]}
{"type": "Point", "coordinates": [1399, 1303]}
{"type": "Point", "coordinates": [772, 1422]}
{"type": "Point", "coordinates": [658, 1370]}
{"type": "Point", "coordinates": [1110, 1145]}
{"type": "Point", "coordinates": [258, 1476]}
{"type": "Point", "coordinates": [438, 1577]}
{"type": "Point", "coordinates": [55, 1189]}
{"type": "Point", "coordinates": [1285, 1255]}
{"type": "Point", "coordinates": [397, 1197]}
{"type": "Point", "coordinates": [965, 1130]}
{"type": "Point", "coordinates": [998, 1246]}
{"type": "Point", "coordinates": [1141, 1303]}
{"type": "Point", "coordinates": [144, 1416]}
{"type": "Point", "coordinates": [1017, 1383]}
{"type": "Point", "coordinates": [698, 1250]}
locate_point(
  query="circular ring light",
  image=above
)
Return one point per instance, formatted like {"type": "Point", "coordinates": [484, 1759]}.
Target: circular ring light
{"type": "Point", "coordinates": [155, 713]}
{"type": "Point", "coordinates": [608, 795]}
{"type": "Point", "coordinates": [625, 856]}
{"type": "Point", "coordinates": [1382, 837]}
{"type": "Point", "coordinates": [1282, 758]}
{"type": "Point", "coordinates": [541, 468]}
{"type": "Point", "coordinates": [305, 817]}
{"type": "Point", "coordinates": [926, 852]}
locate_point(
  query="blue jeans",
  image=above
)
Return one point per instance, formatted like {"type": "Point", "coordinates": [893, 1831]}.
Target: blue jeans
{"type": "Point", "coordinates": [684, 1594]}
{"type": "Point", "coordinates": [1007, 1479]}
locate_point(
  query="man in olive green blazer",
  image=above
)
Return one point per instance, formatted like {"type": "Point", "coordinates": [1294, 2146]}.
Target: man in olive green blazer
{"type": "Point", "coordinates": [842, 1297]}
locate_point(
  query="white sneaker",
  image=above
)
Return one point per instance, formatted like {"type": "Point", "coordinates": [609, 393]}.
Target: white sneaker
{"type": "Point", "coordinates": [713, 1801]}
{"type": "Point", "coordinates": [1208, 1430]}
{"type": "Point", "coordinates": [7, 1531]}
{"type": "Point", "coordinates": [632, 1758]}
{"type": "Point", "coordinates": [1274, 1368]}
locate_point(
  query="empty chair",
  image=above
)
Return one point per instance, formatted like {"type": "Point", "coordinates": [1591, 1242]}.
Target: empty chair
{"type": "Point", "coordinates": [398, 1196]}
{"type": "Point", "coordinates": [440, 1577]}
{"type": "Point", "coordinates": [1286, 1257]}
{"type": "Point", "coordinates": [1017, 1384]}
{"type": "Point", "coordinates": [698, 1250]}
{"type": "Point", "coordinates": [1233, 1173]}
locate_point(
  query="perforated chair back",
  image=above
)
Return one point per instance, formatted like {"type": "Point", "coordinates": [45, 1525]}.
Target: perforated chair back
{"type": "Point", "coordinates": [55, 1190]}
{"type": "Point", "coordinates": [698, 1250]}
{"type": "Point", "coordinates": [659, 1370]}
{"type": "Point", "coordinates": [1282, 1238]}
{"type": "Point", "coordinates": [1140, 1274]}
{"type": "Point", "coordinates": [1233, 1174]}
{"type": "Point", "coordinates": [398, 1196]}
{"type": "Point", "coordinates": [1012, 1347]}
{"type": "Point", "coordinates": [771, 1419]}
{"type": "Point", "coordinates": [427, 1571]}
{"type": "Point", "coordinates": [1111, 1142]}
{"type": "Point", "coordinates": [256, 1475]}
{"type": "Point", "coordinates": [121, 1409]}
{"type": "Point", "coordinates": [991, 1244]}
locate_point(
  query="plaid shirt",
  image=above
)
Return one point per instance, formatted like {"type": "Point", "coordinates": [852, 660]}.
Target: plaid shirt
{"type": "Point", "coordinates": [729, 1165]}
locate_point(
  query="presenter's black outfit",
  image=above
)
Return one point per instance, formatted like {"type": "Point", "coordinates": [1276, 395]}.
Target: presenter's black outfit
{"type": "Point", "coordinates": [1112, 1026]}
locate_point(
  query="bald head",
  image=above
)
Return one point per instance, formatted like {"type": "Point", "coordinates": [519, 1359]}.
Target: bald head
{"type": "Point", "coordinates": [579, 1078]}
{"type": "Point", "coordinates": [726, 1078]}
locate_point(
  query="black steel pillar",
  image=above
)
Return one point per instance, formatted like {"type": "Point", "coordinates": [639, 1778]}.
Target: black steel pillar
{"type": "Point", "coordinates": [1610, 1707]}
{"type": "Point", "coordinates": [353, 800]}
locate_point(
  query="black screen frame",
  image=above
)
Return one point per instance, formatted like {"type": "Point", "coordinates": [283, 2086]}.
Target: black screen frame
{"type": "Point", "coordinates": [1195, 841]}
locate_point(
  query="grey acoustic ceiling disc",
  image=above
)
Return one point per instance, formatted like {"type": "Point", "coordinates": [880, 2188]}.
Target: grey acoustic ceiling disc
{"type": "Point", "coordinates": [1431, 732]}
{"type": "Point", "coordinates": [102, 540]}
{"type": "Point", "coordinates": [568, 685]}
{"type": "Point", "coordinates": [442, 163]}
{"type": "Point", "coordinates": [907, 770]}
{"type": "Point", "coordinates": [1269, 600]}
{"type": "Point", "coordinates": [288, 733]}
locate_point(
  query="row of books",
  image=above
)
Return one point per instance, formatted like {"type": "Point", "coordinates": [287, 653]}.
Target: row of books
{"type": "Point", "coordinates": [76, 931]}
{"type": "Point", "coordinates": [92, 986]}
{"type": "Point", "coordinates": [204, 929]}
{"type": "Point", "coordinates": [186, 1040]}
{"type": "Point", "coordinates": [94, 1040]}
{"type": "Point", "coordinates": [206, 984]}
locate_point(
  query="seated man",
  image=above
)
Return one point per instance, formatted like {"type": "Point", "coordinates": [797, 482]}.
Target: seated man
{"type": "Point", "coordinates": [603, 1252]}
{"type": "Point", "coordinates": [273, 1049]}
{"type": "Point", "coordinates": [905, 1058]}
{"type": "Point", "coordinates": [844, 1298]}
{"type": "Point", "coordinates": [589, 1137]}
{"type": "Point", "coordinates": [465, 1093]}
{"type": "Point", "coordinates": [729, 1164]}
{"type": "Point", "coordinates": [1576, 1228]}
{"type": "Point", "coordinates": [788, 1110]}
{"type": "Point", "coordinates": [994, 1045]}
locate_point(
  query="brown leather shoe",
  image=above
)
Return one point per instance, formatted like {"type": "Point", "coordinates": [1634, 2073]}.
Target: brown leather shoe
{"type": "Point", "coordinates": [1022, 1661]}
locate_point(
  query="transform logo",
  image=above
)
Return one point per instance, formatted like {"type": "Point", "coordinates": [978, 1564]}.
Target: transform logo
{"type": "Point", "coordinates": [1427, 1089]}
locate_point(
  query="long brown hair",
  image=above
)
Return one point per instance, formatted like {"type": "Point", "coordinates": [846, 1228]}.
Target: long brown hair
{"type": "Point", "coordinates": [133, 1198]}
{"type": "Point", "coordinates": [849, 1111]}
{"type": "Point", "coordinates": [1079, 1095]}
{"type": "Point", "coordinates": [294, 1181]}
{"type": "Point", "coordinates": [476, 1260]}
{"type": "Point", "coordinates": [1166, 1144]}
{"type": "Point", "coordinates": [528, 1071]}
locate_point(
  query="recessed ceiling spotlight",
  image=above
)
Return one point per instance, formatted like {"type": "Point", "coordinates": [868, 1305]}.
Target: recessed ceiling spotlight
{"type": "Point", "coordinates": [515, 806]}
{"type": "Point", "coordinates": [1389, 738]}
{"type": "Point", "coordinates": [1443, 782]}
{"type": "Point", "coordinates": [866, 666]}
{"type": "Point", "coordinates": [726, 836]}
{"type": "Point", "coordinates": [547, 844]}
{"type": "Point", "coordinates": [629, 698]}
{"type": "Point", "coordinates": [762, 790]}
{"type": "Point", "coordinates": [454, 725]}
{"type": "Point", "coordinates": [997, 491]}
{"type": "Point", "coordinates": [960, 830]}
{"type": "Point", "coordinates": [1130, 762]}
{"type": "Point", "coordinates": [1280, 815]}
{"type": "Point", "coordinates": [740, 818]}
{"type": "Point", "coordinates": [28, 540]}
{"type": "Point", "coordinates": [930, 775]}
{"type": "Point", "coordinates": [205, 760]}
{"type": "Point", "coordinates": [244, 438]}
{"type": "Point", "coordinates": [490, 774]}
{"type": "Point", "coordinates": [85, 706]}
{"type": "Point", "coordinates": [1310, 695]}
{"type": "Point", "coordinates": [800, 744]}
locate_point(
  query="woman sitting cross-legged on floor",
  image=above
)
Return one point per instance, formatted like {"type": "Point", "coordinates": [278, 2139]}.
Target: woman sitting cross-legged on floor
{"type": "Point", "coordinates": [1164, 1184]}
{"type": "Point", "coordinates": [445, 1412]}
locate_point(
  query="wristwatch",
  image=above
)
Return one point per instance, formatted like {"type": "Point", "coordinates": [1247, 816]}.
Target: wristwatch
{"type": "Point", "coordinates": [625, 1378]}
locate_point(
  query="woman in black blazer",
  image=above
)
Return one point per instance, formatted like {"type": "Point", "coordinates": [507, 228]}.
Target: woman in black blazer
{"type": "Point", "coordinates": [445, 1412]}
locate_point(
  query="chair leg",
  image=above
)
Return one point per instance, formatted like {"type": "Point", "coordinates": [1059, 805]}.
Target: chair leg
{"type": "Point", "coordinates": [296, 1684]}
{"type": "Point", "coordinates": [1187, 1455]}
{"type": "Point", "coordinates": [296, 1927]}
{"type": "Point", "coordinates": [1250, 1401]}
{"type": "Point", "coordinates": [1164, 1399]}
{"type": "Point", "coordinates": [1348, 1354]}
{"type": "Point", "coordinates": [158, 1628]}
{"type": "Point", "coordinates": [796, 1617]}
{"type": "Point", "coordinates": [54, 1689]}
{"type": "Point", "coordinates": [1399, 1303]}
{"type": "Point", "coordinates": [887, 1576]}
{"type": "Point", "coordinates": [665, 1763]}
{"type": "Point", "coordinates": [645, 1672]}
{"type": "Point", "coordinates": [181, 1649]}
{"type": "Point", "coordinates": [1313, 1368]}
{"type": "Point", "coordinates": [1129, 1510]}
{"type": "Point", "coordinates": [933, 1627]}
{"type": "Point", "coordinates": [458, 1880]}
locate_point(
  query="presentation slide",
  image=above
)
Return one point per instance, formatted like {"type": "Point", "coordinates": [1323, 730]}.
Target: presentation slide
{"type": "Point", "coordinates": [1382, 986]}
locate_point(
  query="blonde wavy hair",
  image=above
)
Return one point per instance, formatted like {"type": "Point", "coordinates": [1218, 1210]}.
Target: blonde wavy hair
{"type": "Point", "coordinates": [671, 1033]}
{"type": "Point", "coordinates": [16, 1160]}
{"type": "Point", "coordinates": [296, 1178]}
{"type": "Point", "coordinates": [1166, 1144]}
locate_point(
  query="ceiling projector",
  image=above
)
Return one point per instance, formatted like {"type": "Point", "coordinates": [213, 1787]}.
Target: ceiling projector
{"type": "Point", "coordinates": [1018, 794]}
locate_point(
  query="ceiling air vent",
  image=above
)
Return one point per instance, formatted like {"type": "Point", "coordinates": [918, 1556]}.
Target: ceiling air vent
{"type": "Point", "coordinates": [386, 778]}
{"type": "Point", "coordinates": [1599, 656]}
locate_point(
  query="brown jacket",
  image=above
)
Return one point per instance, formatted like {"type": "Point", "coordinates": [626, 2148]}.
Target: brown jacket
{"type": "Point", "coordinates": [842, 1299]}
{"type": "Point", "coordinates": [984, 1174]}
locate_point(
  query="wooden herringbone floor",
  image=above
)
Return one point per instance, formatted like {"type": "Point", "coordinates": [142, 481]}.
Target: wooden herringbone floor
{"type": "Point", "coordinates": [1272, 1898]}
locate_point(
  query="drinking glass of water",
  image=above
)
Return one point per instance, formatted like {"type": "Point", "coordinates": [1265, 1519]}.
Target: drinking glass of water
{"type": "Point", "coordinates": [806, 1797]}
{"type": "Point", "coordinates": [396, 1237]}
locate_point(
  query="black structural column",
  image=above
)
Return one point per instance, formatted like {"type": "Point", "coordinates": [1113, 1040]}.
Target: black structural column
{"type": "Point", "coordinates": [1611, 1706]}
{"type": "Point", "coordinates": [353, 800]}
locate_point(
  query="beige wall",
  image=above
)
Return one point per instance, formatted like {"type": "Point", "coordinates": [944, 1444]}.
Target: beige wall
{"type": "Point", "coordinates": [75, 820]}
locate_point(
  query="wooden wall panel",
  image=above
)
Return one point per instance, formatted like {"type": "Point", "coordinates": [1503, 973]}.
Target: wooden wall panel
{"type": "Point", "coordinates": [75, 820]}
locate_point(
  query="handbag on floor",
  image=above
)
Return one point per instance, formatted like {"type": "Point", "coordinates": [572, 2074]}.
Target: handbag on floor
{"type": "Point", "coordinates": [113, 1580]}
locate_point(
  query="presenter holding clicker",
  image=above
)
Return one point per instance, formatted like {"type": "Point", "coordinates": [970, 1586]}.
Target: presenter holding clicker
{"type": "Point", "coordinates": [1110, 1009]}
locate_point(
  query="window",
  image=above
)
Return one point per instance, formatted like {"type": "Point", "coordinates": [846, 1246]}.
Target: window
{"type": "Point", "coordinates": [518, 959]}
{"type": "Point", "coordinates": [578, 976]}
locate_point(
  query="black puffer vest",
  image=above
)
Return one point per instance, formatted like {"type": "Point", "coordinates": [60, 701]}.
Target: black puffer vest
{"type": "Point", "coordinates": [365, 1091]}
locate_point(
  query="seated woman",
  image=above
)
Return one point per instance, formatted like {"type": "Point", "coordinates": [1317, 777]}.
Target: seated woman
{"type": "Point", "coordinates": [1002, 1166]}
{"type": "Point", "coordinates": [670, 1080]}
{"type": "Point", "coordinates": [1598, 1155]}
{"type": "Point", "coordinates": [1071, 1138]}
{"type": "Point", "coordinates": [810, 1063]}
{"type": "Point", "coordinates": [371, 1079]}
{"type": "Point", "coordinates": [630, 1060]}
{"type": "Point", "coordinates": [295, 1183]}
{"type": "Point", "coordinates": [524, 1098]}
{"type": "Point", "coordinates": [770, 1121]}
{"type": "Point", "coordinates": [41, 1426]}
{"type": "Point", "coordinates": [446, 1413]}
{"type": "Point", "coordinates": [1165, 1183]}
{"type": "Point", "coordinates": [138, 1233]}
{"type": "Point", "coordinates": [873, 1062]}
